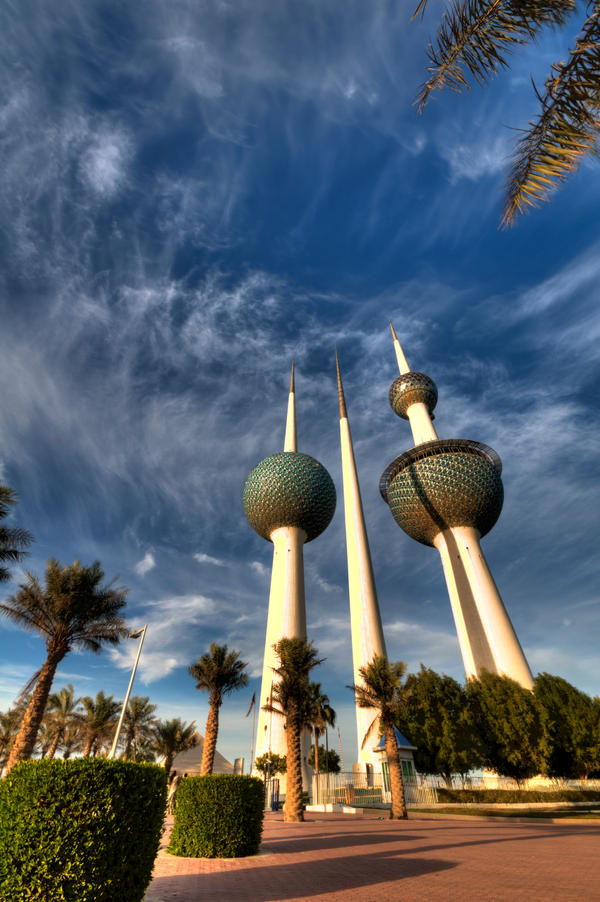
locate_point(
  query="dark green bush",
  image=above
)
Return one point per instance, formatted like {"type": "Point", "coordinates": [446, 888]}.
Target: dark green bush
{"type": "Point", "coordinates": [220, 816]}
{"type": "Point", "coordinates": [86, 830]}
{"type": "Point", "coordinates": [517, 795]}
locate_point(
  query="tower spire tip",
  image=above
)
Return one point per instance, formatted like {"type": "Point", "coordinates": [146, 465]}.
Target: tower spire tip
{"type": "Point", "coordinates": [341, 399]}
{"type": "Point", "coordinates": [292, 385]}
{"type": "Point", "coordinates": [394, 336]}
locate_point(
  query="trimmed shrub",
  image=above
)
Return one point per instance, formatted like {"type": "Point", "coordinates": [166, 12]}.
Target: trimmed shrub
{"type": "Point", "coordinates": [517, 795]}
{"type": "Point", "coordinates": [85, 830]}
{"type": "Point", "coordinates": [219, 816]}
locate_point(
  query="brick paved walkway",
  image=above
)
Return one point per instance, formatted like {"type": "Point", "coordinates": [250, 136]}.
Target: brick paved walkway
{"type": "Point", "coordinates": [339, 857]}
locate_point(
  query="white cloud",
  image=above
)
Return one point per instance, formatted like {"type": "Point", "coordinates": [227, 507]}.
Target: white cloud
{"type": "Point", "coordinates": [259, 568]}
{"type": "Point", "coordinates": [173, 637]}
{"type": "Point", "coordinates": [476, 159]}
{"type": "Point", "coordinates": [207, 559]}
{"type": "Point", "coordinates": [146, 564]}
{"type": "Point", "coordinates": [104, 162]}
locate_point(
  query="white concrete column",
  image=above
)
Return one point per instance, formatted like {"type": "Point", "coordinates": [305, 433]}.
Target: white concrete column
{"type": "Point", "coordinates": [286, 619]}
{"type": "Point", "coordinates": [365, 618]}
{"type": "Point", "coordinates": [502, 639]}
{"type": "Point", "coordinates": [421, 425]}
{"type": "Point", "coordinates": [486, 636]}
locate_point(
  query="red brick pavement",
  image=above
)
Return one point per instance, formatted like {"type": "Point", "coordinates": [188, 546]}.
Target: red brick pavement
{"type": "Point", "coordinates": [339, 857]}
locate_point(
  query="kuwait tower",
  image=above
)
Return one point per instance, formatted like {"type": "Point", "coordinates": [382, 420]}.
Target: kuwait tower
{"type": "Point", "coordinates": [289, 499]}
{"type": "Point", "coordinates": [365, 619]}
{"type": "Point", "coordinates": [448, 493]}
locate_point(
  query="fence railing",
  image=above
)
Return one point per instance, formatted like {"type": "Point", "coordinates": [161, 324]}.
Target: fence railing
{"type": "Point", "coordinates": [368, 790]}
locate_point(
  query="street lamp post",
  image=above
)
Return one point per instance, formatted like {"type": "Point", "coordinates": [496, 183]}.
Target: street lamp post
{"type": "Point", "coordinates": [142, 633]}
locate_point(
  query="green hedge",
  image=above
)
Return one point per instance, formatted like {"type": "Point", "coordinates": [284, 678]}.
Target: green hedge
{"type": "Point", "coordinates": [220, 816]}
{"type": "Point", "coordinates": [85, 830]}
{"type": "Point", "coordinates": [517, 795]}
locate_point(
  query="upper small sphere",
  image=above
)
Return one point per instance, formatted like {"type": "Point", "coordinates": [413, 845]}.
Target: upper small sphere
{"type": "Point", "coordinates": [410, 388]}
{"type": "Point", "coordinates": [289, 489]}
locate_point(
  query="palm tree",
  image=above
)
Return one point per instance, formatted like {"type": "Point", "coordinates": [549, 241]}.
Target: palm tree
{"type": "Point", "coordinates": [72, 610]}
{"type": "Point", "coordinates": [9, 727]}
{"type": "Point", "coordinates": [381, 688]}
{"type": "Point", "coordinates": [475, 38]}
{"type": "Point", "coordinates": [98, 722]}
{"type": "Point", "coordinates": [290, 698]}
{"type": "Point", "coordinates": [60, 712]}
{"type": "Point", "coordinates": [172, 737]}
{"type": "Point", "coordinates": [217, 672]}
{"type": "Point", "coordinates": [138, 721]}
{"type": "Point", "coordinates": [322, 715]}
{"type": "Point", "coordinates": [13, 539]}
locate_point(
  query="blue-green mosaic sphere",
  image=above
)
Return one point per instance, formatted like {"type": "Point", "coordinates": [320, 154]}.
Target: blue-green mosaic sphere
{"type": "Point", "coordinates": [289, 489]}
{"type": "Point", "coordinates": [448, 482]}
{"type": "Point", "coordinates": [410, 388]}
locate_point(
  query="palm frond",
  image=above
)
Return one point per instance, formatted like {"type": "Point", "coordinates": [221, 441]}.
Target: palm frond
{"type": "Point", "coordinates": [475, 37]}
{"type": "Point", "coordinates": [567, 128]}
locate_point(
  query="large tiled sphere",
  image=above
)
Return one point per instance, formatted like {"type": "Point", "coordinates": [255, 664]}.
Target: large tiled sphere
{"type": "Point", "coordinates": [409, 388]}
{"type": "Point", "coordinates": [448, 482]}
{"type": "Point", "coordinates": [289, 489]}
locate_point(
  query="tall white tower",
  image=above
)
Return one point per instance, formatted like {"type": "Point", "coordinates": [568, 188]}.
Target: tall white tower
{"type": "Point", "coordinates": [448, 493]}
{"type": "Point", "coordinates": [365, 619]}
{"type": "Point", "coordinates": [289, 499]}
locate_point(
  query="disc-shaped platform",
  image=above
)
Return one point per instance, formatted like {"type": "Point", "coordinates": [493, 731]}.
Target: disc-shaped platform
{"type": "Point", "coordinates": [444, 483]}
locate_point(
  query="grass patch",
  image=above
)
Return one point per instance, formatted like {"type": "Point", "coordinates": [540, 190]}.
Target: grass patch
{"type": "Point", "coordinates": [497, 796]}
{"type": "Point", "coordinates": [572, 813]}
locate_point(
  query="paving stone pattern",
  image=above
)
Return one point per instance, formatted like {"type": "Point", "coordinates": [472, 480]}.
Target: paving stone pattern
{"type": "Point", "coordinates": [332, 857]}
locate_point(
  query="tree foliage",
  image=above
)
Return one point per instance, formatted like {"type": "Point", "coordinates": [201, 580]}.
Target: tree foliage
{"type": "Point", "coordinates": [437, 719]}
{"type": "Point", "coordinates": [171, 737]}
{"type": "Point", "coordinates": [511, 725]}
{"type": "Point", "coordinates": [573, 726]}
{"type": "Point", "coordinates": [14, 540]}
{"type": "Point", "coordinates": [72, 610]}
{"type": "Point", "coordinates": [270, 764]}
{"type": "Point", "coordinates": [474, 40]}
{"type": "Point", "coordinates": [329, 760]}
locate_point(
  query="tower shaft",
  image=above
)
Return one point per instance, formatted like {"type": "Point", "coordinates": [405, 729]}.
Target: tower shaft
{"type": "Point", "coordinates": [286, 618]}
{"type": "Point", "coordinates": [365, 618]}
{"type": "Point", "coordinates": [486, 635]}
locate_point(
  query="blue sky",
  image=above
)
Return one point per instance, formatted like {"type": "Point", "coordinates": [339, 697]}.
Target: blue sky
{"type": "Point", "coordinates": [192, 195]}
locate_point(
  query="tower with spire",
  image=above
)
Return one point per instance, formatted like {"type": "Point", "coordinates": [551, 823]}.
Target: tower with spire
{"type": "Point", "coordinates": [289, 499]}
{"type": "Point", "coordinates": [448, 493]}
{"type": "Point", "coordinates": [365, 619]}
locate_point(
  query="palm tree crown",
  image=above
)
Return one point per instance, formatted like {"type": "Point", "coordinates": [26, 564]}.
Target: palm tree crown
{"type": "Point", "coordinates": [14, 540]}
{"type": "Point", "coordinates": [99, 721]}
{"type": "Point", "coordinates": [171, 737]}
{"type": "Point", "coordinates": [72, 610]}
{"type": "Point", "coordinates": [61, 713]}
{"type": "Point", "coordinates": [217, 672]}
{"type": "Point", "coordinates": [139, 721]}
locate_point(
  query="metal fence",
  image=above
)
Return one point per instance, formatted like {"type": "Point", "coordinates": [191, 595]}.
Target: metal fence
{"type": "Point", "coordinates": [362, 790]}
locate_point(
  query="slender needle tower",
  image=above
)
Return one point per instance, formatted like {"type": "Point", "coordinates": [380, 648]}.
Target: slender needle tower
{"type": "Point", "coordinates": [448, 493]}
{"type": "Point", "coordinates": [289, 499]}
{"type": "Point", "coordinates": [365, 619]}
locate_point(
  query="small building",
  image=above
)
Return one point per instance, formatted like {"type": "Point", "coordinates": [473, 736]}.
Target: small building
{"type": "Point", "coordinates": [406, 753]}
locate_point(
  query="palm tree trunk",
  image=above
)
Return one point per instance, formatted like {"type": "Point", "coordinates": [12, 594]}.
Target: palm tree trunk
{"type": "Point", "coordinates": [54, 745]}
{"type": "Point", "coordinates": [168, 763]}
{"type": "Point", "coordinates": [88, 745]}
{"type": "Point", "coordinates": [398, 809]}
{"type": "Point", "coordinates": [128, 743]}
{"type": "Point", "coordinates": [210, 736]}
{"type": "Point", "coordinates": [317, 753]}
{"type": "Point", "coordinates": [26, 737]}
{"type": "Point", "coordinates": [293, 811]}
